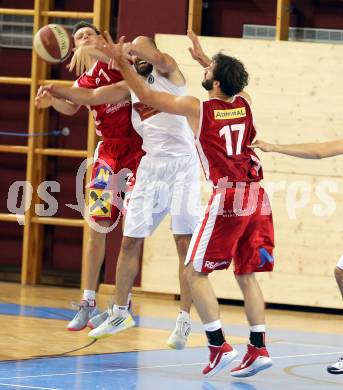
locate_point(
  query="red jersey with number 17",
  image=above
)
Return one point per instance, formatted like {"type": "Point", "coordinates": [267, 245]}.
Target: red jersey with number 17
{"type": "Point", "coordinates": [226, 130]}
{"type": "Point", "coordinates": [111, 120]}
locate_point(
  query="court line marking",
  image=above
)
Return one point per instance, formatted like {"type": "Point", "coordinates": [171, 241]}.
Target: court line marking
{"type": "Point", "coordinates": [162, 366]}
{"type": "Point", "coordinates": [28, 387]}
{"type": "Point", "coordinates": [290, 371]}
{"type": "Point", "coordinates": [308, 354]}
{"type": "Point", "coordinates": [304, 344]}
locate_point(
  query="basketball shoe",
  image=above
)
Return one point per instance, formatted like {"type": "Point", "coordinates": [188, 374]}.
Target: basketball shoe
{"type": "Point", "coordinates": [84, 314]}
{"type": "Point", "coordinates": [113, 324]}
{"type": "Point", "coordinates": [255, 360]}
{"type": "Point", "coordinates": [336, 368]}
{"type": "Point", "coordinates": [178, 338]}
{"type": "Point", "coordinates": [97, 320]}
{"type": "Point", "coordinates": [220, 357]}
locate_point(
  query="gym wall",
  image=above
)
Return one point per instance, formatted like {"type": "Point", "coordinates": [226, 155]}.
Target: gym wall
{"type": "Point", "coordinates": [296, 91]}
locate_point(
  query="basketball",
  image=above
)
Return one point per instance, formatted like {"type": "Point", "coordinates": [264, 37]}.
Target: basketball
{"type": "Point", "coordinates": [52, 43]}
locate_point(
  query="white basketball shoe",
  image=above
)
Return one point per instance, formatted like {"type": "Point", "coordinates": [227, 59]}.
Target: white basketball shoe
{"type": "Point", "coordinates": [179, 336]}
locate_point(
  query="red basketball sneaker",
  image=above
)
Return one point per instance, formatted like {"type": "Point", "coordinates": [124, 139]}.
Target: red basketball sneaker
{"type": "Point", "coordinates": [220, 357]}
{"type": "Point", "coordinates": [255, 360]}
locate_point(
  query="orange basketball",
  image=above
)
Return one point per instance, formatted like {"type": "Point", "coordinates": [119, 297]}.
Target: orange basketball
{"type": "Point", "coordinates": [53, 43]}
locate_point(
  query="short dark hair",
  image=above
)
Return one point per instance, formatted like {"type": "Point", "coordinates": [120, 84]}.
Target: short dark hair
{"type": "Point", "coordinates": [231, 74]}
{"type": "Point", "coordinates": [83, 24]}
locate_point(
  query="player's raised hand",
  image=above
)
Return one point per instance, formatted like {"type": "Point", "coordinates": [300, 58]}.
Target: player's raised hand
{"type": "Point", "coordinates": [264, 146]}
{"type": "Point", "coordinates": [105, 44]}
{"type": "Point", "coordinates": [120, 52]}
{"type": "Point", "coordinates": [196, 50]}
{"type": "Point", "coordinates": [107, 47]}
{"type": "Point", "coordinates": [82, 59]}
{"type": "Point", "coordinates": [85, 56]}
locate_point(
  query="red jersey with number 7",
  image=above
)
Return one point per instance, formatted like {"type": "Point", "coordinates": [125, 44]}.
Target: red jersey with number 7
{"type": "Point", "coordinates": [225, 131]}
{"type": "Point", "coordinates": [111, 120]}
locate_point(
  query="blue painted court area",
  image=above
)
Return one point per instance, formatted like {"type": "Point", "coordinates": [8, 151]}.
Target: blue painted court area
{"type": "Point", "coordinates": [296, 366]}
{"type": "Point", "coordinates": [299, 362]}
{"type": "Point", "coordinates": [36, 311]}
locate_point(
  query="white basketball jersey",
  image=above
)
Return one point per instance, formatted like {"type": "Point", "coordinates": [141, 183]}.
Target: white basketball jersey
{"type": "Point", "coordinates": [163, 134]}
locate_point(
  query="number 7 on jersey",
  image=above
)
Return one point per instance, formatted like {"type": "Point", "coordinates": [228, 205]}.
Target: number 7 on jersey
{"type": "Point", "coordinates": [226, 131]}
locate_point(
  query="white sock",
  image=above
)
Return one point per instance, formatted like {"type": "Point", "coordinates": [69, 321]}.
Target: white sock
{"type": "Point", "coordinates": [258, 328]}
{"type": "Point", "coordinates": [89, 296]}
{"type": "Point", "coordinates": [212, 326]}
{"type": "Point", "coordinates": [120, 311]}
{"type": "Point", "coordinates": [183, 314]}
{"type": "Point", "coordinates": [128, 299]}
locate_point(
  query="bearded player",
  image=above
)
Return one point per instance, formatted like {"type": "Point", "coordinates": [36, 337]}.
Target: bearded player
{"type": "Point", "coordinates": [238, 223]}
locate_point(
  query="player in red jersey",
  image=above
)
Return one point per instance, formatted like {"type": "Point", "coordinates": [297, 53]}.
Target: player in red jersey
{"type": "Point", "coordinates": [119, 151]}
{"type": "Point", "coordinates": [238, 222]}
{"type": "Point", "coordinates": [314, 151]}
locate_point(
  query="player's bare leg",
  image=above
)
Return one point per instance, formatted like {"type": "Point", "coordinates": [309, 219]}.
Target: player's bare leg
{"type": "Point", "coordinates": [206, 303]}
{"type": "Point", "coordinates": [253, 298]}
{"type": "Point", "coordinates": [182, 243]}
{"type": "Point", "coordinates": [178, 338]}
{"type": "Point", "coordinates": [95, 252]}
{"type": "Point", "coordinates": [204, 298]}
{"type": "Point", "coordinates": [257, 357]}
{"type": "Point", "coordinates": [97, 320]}
{"type": "Point", "coordinates": [127, 269]}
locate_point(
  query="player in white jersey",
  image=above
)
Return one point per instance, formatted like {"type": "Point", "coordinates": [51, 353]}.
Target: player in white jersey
{"type": "Point", "coordinates": [168, 170]}
{"type": "Point", "coordinates": [167, 179]}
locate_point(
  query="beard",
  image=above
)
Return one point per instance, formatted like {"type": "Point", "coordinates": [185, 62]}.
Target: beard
{"type": "Point", "coordinates": [207, 84]}
{"type": "Point", "coordinates": [143, 69]}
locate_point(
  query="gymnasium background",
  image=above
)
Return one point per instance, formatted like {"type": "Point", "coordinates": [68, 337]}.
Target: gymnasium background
{"type": "Point", "coordinates": [296, 89]}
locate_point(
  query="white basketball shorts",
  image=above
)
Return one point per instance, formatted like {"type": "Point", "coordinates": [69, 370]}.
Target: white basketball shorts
{"type": "Point", "coordinates": [164, 185]}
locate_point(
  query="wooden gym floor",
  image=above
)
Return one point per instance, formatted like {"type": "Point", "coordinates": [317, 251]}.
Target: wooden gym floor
{"type": "Point", "coordinates": [37, 352]}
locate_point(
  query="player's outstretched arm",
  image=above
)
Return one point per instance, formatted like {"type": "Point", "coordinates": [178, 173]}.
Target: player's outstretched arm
{"type": "Point", "coordinates": [187, 106]}
{"type": "Point", "coordinates": [110, 94]}
{"type": "Point", "coordinates": [196, 50]}
{"type": "Point", "coordinates": [310, 150]}
{"type": "Point", "coordinates": [64, 107]}
{"type": "Point", "coordinates": [45, 99]}
{"type": "Point", "coordinates": [144, 48]}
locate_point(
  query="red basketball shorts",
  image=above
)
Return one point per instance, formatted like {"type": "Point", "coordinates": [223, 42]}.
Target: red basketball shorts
{"type": "Point", "coordinates": [238, 226]}
{"type": "Point", "coordinates": [113, 177]}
